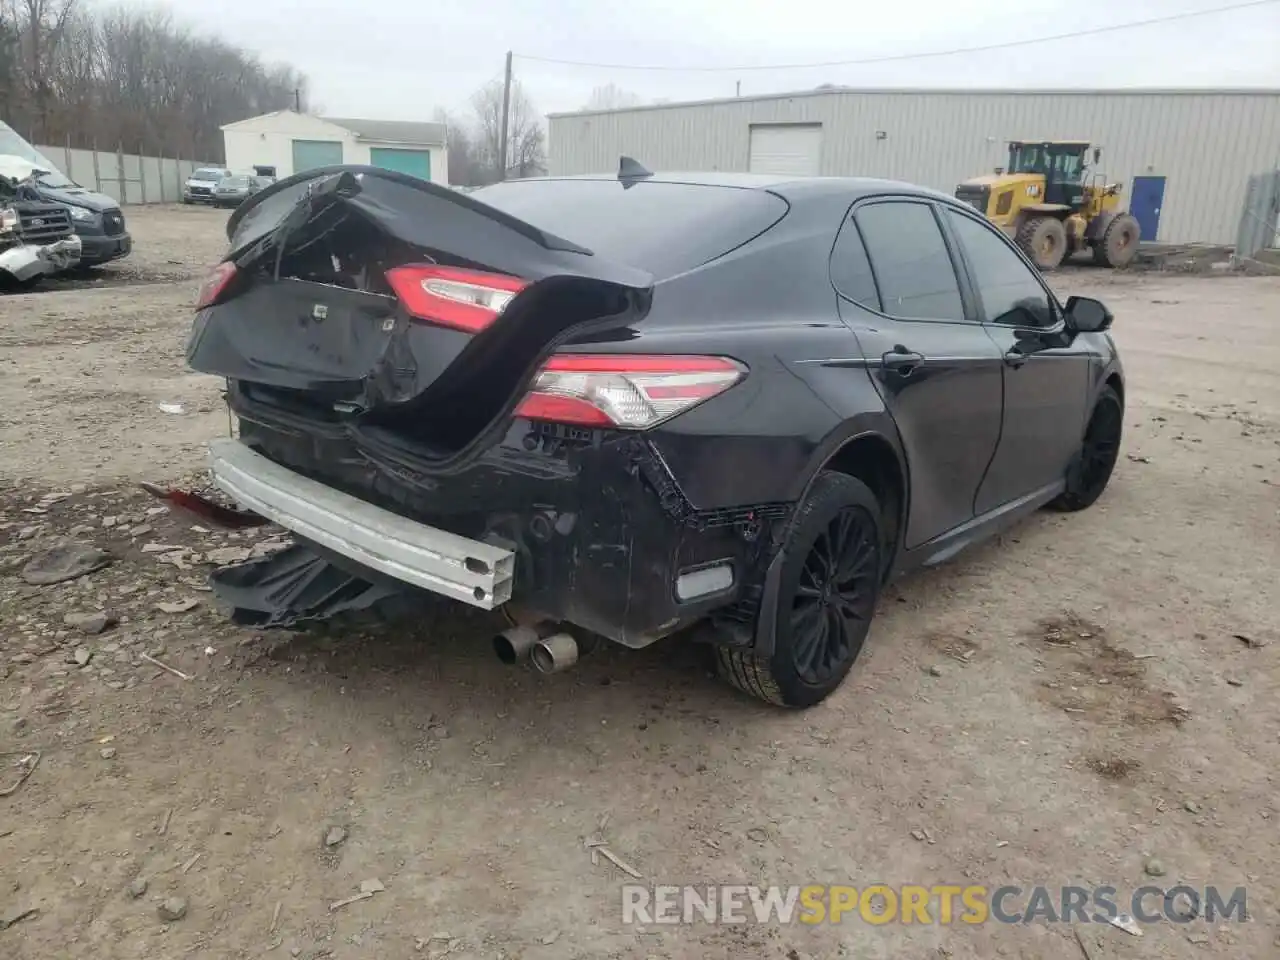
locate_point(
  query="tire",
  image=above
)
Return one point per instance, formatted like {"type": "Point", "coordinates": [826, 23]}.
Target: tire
{"type": "Point", "coordinates": [1118, 244]}
{"type": "Point", "coordinates": [1090, 471]}
{"type": "Point", "coordinates": [1044, 240]}
{"type": "Point", "coordinates": [806, 595]}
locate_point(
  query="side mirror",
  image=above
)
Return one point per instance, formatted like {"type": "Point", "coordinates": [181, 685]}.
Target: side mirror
{"type": "Point", "coordinates": [1087, 315]}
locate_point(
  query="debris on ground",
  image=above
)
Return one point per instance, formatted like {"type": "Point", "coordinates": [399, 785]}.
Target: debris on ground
{"type": "Point", "coordinates": [17, 915]}
{"type": "Point", "coordinates": [178, 606]}
{"type": "Point", "coordinates": [138, 888]}
{"type": "Point", "coordinates": [1154, 867]}
{"type": "Point", "coordinates": [371, 886]}
{"type": "Point", "coordinates": [82, 656]}
{"type": "Point", "coordinates": [164, 666]}
{"type": "Point", "coordinates": [172, 909]}
{"type": "Point", "coordinates": [335, 835]}
{"type": "Point", "coordinates": [66, 561]}
{"type": "Point", "coordinates": [26, 765]}
{"type": "Point", "coordinates": [1126, 923]}
{"type": "Point", "coordinates": [599, 849]}
{"type": "Point", "coordinates": [107, 753]}
{"type": "Point", "coordinates": [171, 408]}
{"type": "Point", "coordinates": [91, 623]}
{"type": "Point", "coordinates": [1248, 641]}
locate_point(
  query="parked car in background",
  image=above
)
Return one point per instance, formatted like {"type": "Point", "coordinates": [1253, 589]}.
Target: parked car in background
{"type": "Point", "coordinates": [95, 217]}
{"type": "Point", "coordinates": [234, 190]}
{"type": "Point", "coordinates": [637, 404]}
{"type": "Point", "coordinates": [201, 184]}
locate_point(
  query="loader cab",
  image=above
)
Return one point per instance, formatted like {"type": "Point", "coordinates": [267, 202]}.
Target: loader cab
{"type": "Point", "coordinates": [1062, 163]}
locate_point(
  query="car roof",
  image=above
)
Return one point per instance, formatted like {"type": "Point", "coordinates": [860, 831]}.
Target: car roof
{"type": "Point", "coordinates": [786, 186]}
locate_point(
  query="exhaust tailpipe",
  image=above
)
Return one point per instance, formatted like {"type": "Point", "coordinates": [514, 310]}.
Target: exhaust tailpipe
{"type": "Point", "coordinates": [554, 653]}
{"type": "Point", "coordinates": [515, 643]}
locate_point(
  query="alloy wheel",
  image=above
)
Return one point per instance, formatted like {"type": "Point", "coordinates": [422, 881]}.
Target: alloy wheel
{"type": "Point", "coordinates": [835, 598]}
{"type": "Point", "coordinates": [1101, 447]}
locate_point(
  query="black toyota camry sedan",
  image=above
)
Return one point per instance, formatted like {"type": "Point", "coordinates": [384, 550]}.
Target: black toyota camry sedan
{"type": "Point", "coordinates": [629, 406]}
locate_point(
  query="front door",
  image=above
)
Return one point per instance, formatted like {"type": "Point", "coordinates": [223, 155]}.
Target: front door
{"type": "Point", "coordinates": [1046, 369]}
{"type": "Point", "coordinates": [932, 362]}
{"type": "Point", "coordinates": [1145, 204]}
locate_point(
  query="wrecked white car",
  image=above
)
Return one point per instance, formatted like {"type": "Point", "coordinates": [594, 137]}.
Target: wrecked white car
{"type": "Point", "coordinates": [36, 237]}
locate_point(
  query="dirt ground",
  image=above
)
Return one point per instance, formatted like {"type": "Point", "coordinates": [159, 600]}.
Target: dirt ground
{"type": "Point", "coordinates": [1092, 694]}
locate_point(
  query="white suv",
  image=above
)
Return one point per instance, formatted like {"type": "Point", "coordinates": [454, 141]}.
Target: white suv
{"type": "Point", "coordinates": [199, 186]}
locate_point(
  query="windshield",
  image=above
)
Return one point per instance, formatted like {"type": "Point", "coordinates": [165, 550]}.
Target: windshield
{"type": "Point", "coordinates": [208, 173]}
{"type": "Point", "coordinates": [235, 182]}
{"type": "Point", "coordinates": [1028, 158]}
{"type": "Point", "coordinates": [11, 143]}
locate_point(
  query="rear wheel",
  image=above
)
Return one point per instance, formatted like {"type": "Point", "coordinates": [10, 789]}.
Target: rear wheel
{"type": "Point", "coordinates": [1091, 471]}
{"type": "Point", "coordinates": [1118, 244]}
{"type": "Point", "coordinates": [1044, 240]}
{"type": "Point", "coordinates": [826, 598]}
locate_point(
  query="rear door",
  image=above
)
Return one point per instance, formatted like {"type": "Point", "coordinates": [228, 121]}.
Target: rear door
{"type": "Point", "coordinates": [1045, 368]}
{"type": "Point", "coordinates": [933, 363]}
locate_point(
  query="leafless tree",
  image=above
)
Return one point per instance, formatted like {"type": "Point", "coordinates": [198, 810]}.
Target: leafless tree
{"type": "Point", "coordinates": [129, 76]}
{"type": "Point", "coordinates": [612, 97]}
{"type": "Point", "coordinates": [526, 138]}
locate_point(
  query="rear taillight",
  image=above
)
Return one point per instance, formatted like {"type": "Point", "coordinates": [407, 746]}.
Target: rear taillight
{"type": "Point", "coordinates": [215, 284]}
{"type": "Point", "coordinates": [630, 392]}
{"type": "Point", "coordinates": [467, 300]}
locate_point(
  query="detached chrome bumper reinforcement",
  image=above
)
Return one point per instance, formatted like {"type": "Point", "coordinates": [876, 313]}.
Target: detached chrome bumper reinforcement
{"type": "Point", "coordinates": [476, 573]}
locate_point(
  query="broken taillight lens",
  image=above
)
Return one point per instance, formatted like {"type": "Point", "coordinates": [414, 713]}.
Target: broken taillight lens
{"type": "Point", "coordinates": [215, 284]}
{"type": "Point", "coordinates": [467, 300]}
{"type": "Point", "coordinates": [629, 392]}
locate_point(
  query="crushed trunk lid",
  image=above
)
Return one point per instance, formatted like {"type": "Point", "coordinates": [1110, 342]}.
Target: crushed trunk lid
{"type": "Point", "coordinates": [316, 303]}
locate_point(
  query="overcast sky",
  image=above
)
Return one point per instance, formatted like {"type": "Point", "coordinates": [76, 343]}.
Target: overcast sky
{"type": "Point", "coordinates": [401, 59]}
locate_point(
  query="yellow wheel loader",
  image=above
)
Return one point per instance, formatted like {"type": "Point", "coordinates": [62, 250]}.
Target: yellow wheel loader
{"type": "Point", "coordinates": [1052, 206]}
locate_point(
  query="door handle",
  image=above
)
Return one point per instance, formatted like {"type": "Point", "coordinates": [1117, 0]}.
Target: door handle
{"type": "Point", "coordinates": [901, 360]}
{"type": "Point", "coordinates": [1015, 356]}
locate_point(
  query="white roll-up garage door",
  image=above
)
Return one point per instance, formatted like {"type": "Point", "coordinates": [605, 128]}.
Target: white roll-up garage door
{"type": "Point", "coordinates": [786, 149]}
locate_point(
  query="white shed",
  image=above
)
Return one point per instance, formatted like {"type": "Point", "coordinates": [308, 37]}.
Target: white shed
{"type": "Point", "coordinates": [292, 142]}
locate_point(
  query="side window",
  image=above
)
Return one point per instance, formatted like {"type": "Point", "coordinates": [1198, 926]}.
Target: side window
{"type": "Point", "coordinates": [851, 270]}
{"type": "Point", "coordinates": [1010, 292]}
{"type": "Point", "coordinates": [909, 258]}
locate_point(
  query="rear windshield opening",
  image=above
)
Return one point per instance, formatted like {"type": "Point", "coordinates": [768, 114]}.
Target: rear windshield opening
{"type": "Point", "coordinates": [662, 228]}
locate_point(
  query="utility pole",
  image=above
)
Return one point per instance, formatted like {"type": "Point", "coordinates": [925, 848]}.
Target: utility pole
{"type": "Point", "coordinates": [737, 88]}
{"type": "Point", "coordinates": [506, 112]}
{"type": "Point", "coordinates": [297, 99]}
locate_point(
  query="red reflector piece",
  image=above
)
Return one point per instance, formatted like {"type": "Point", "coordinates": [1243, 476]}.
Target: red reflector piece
{"type": "Point", "coordinates": [215, 284]}
{"type": "Point", "coordinates": [625, 391]}
{"type": "Point", "coordinates": [467, 300]}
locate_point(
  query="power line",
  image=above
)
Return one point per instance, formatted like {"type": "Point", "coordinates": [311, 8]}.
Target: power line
{"type": "Point", "coordinates": [1093, 31]}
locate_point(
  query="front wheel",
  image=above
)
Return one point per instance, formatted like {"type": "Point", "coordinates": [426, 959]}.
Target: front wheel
{"type": "Point", "coordinates": [827, 593]}
{"type": "Point", "coordinates": [1091, 471]}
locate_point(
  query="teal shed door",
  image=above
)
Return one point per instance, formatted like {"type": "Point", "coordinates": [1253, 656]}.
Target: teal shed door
{"type": "Point", "coordinates": [309, 154]}
{"type": "Point", "coordinates": [416, 163]}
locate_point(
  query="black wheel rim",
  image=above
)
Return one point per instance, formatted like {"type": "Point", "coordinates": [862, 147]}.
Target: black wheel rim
{"type": "Point", "coordinates": [835, 598]}
{"type": "Point", "coordinates": [1101, 447]}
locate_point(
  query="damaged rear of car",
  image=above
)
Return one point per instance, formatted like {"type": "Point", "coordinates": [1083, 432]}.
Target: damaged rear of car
{"type": "Point", "coordinates": [432, 391]}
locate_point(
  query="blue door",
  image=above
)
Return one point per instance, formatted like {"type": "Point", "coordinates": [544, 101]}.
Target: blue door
{"type": "Point", "coordinates": [1145, 204]}
{"type": "Point", "coordinates": [416, 163]}
{"type": "Point", "coordinates": [309, 154]}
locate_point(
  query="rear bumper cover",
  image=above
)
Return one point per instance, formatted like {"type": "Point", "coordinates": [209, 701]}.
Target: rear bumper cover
{"type": "Point", "coordinates": [601, 535]}
{"type": "Point", "coordinates": [476, 573]}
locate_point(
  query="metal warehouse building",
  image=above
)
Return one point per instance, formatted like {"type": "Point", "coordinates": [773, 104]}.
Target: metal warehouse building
{"type": "Point", "coordinates": [1183, 156]}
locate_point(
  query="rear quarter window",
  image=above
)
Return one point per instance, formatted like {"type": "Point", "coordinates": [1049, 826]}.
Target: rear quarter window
{"type": "Point", "coordinates": [662, 228]}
